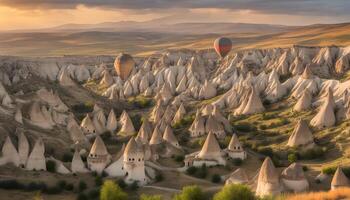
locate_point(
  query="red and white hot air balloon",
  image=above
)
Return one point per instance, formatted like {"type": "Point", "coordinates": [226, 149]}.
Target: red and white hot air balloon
{"type": "Point", "coordinates": [222, 46]}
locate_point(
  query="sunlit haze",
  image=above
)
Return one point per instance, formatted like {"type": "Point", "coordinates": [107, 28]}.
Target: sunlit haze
{"type": "Point", "coordinates": [21, 14]}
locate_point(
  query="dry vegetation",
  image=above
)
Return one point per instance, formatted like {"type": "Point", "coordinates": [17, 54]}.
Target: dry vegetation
{"type": "Point", "coordinates": [146, 43]}
{"type": "Point", "coordinates": [341, 193]}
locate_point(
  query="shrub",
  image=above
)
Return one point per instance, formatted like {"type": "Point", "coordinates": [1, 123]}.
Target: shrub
{"type": "Point", "coordinates": [202, 172]}
{"type": "Point", "coordinates": [305, 168]}
{"type": "Point", "coordinates": [185, 121]}
{"type": "Point", "coordinates": [106, 135]}
{"type": "Point", "coordinates": [267, 151]}
{"type": "Point", "coordinates": [265, 116]}
{"type": "Point", "coordinates": [262, 127]}
{"type": "Point", "coordinates": [111, 191]}
{"type": "Point", "coordinates": [235, 192]}
{"type": "Point", "coordinates": [98, 181]}
{"type": "Point", "coordinates": [94, 173]}
{"type": "Point", "coordinates": [292, 157]}
{"type": "Point", "coordinates": [329, 170]}
{"type": "Point", "coordinates": [61, 184]}
{"type": "Point", "coordinates": [150, 197]}
{"type": "Point", "coordinates": [36, 186]}
{"type": "Point", "coordinates": [53, 190]}
{"type": "Point", "coordinates": [244, 127]}
{"type": "Point", "coordinates": [82, 196]}
{"type": "Point", "coordinates": [179, 158]}
{"type": "Point", "coordinates": [134, 186]}
{"type": "Point", "coordinates": [82, 186]}
{"type": "Point", "coordinates": [121, 183]}
{"type": "Point", "coordinates": [67, 157]}
{"type": "Point", "coordinates": [201, 141]}
{"type": "Point", "coordinates": [51, 166]}
{"type": "Point", "coordinates": [237, 161]}
{"type": "Point", "coordinates": [159, 177]}
{"type": "Point", "coordinates": [314, 153]}
{"type": "Point", "coordinates": [142, 102]}
{"type": "Point", "coordinates": [137, 121]}
{"type": "Point", "coordinates": [216, 178]}
{"type": "Point", "coordinates": [69, 187]}
{"type": "Point", "coordinates": [11, 184]}
{"type": "Point", "coordinates": [190, 193]}
{"type": "Point", "coordinates": [94, 193]}
{"type": "Point", "coordinates": [191, 170]}
{"type": "Point", "coordinates": [83, 107]}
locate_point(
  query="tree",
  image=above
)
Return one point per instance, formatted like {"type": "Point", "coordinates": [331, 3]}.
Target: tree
{"type": "Point", "coordinates": [111, 191]}
{"type": "Point", "coordinates": [150, 197]}
{"type": "Point", "coordinates": [234, 192]}
{"type": "Point", "coordinates": [190, 193]}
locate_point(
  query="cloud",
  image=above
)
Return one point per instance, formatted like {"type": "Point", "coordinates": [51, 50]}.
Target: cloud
{"type": "Point", "coordinates": [302, 7]}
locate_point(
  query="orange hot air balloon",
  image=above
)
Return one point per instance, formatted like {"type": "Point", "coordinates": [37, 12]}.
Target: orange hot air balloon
{"type": "Point", "coordinates": [222, 46]}
{"type": "Point", "coordinates": [123, 65]}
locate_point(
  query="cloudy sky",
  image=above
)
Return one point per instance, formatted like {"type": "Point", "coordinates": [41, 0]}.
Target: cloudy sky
{"type": "Point", "coordinates": [28, 14]}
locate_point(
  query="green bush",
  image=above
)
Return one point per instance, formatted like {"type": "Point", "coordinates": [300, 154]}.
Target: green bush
{"type": "Point", "coordinates": [83, 107]}
{"type": "Point", "coordinates": [94, 193]}
{"type": "Point", "coordinates": [61, 184]}
{"type": "Point", "coordinates": [305, 168]}
{"type": "Point", "coordinates": [314, 153]}
{"type": "Point", "coordinates": [82, 196]}
{"type": "Point", "coordinates": [53, 190]}
{"type": "Point", "coordinates": [106, 135]}
{"type": "Point", "coordinates": [11, 184]}
{"type": "Point", "coordinates": [202, 172]}
{"type": "Point", "coordinates": [67, 157]}
{"type": "Point", "coordinates": [179, 158]}
{"type": "Point", "coordinates": [36, 186]}
{"type": "Point", "coordinates": [237, 161]}
{"type": "Point", "coordinates": [235, 192]}
{"type": "Point", "coordinates": [111, 191]}
{"type": "Point", "coordinates": [98, 181]}
{"type": "Point", "coordinates": [265, 116]}
{"type": "Point", "coordinates": [190, 193]}
{"type": "Point", "coordinates": [140, 102]}
{"type": "Point", "coordinates": [191, 170]}
{"type": "Point", "coordinates": [216, 178]}
{"type": "Point", "coordinates": [185, 121]}
{"type": "Point", "coordinates": [134, 186]}
{"type": "Point", "coordinates": [121, 183]}
{"type": "Point", "coordinates": [82, 186]}
{"type": "Point", "coordinates": [292, 157]}
{"type": "Point", "coordinates": [244, 127]}
{"type": "Point", "coordinates": [137, 121]}
{"type": "Point", "coordinates": [262, 127]}
{"type": "Point", "coordinates": [150, 197]}
{"type": "Point", "coordinates": [267, 151]}
{"type": "Point", "coordinates": [69, 187]}
{"type": "Point", "coordinates": [159, 177]}
{"type": "Point", "coordinates": [51, 166]}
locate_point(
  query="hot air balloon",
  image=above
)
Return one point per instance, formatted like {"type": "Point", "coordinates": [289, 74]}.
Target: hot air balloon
{"type": "Point", "coordinates": [123, 65]}
{"type": "Point", "coordinates": [222, 46]}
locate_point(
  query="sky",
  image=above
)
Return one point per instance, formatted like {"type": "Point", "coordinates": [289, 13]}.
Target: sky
{"type": "Point", "coordinates": [36, 14]}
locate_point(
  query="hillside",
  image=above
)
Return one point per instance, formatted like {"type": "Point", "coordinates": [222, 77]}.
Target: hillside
{"type": "Point", "coordinates": [145, 42]}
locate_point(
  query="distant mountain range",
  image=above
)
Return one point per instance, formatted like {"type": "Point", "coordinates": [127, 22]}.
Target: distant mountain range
{"type": "Point", "coordinates": [164, 25]}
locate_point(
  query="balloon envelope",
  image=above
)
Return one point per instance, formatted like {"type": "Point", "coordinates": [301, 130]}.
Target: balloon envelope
{"type": "Point", "coordinates": [223, 46]}
{"type": "Point", "coordinates": [123, 65]}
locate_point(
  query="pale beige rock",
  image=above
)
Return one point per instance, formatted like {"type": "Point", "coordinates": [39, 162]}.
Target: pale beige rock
{"type": "Point", "coordinates": [301, 136]}
{"type": "Point", "coordinates": [268, 179]}
{"type": "Point", "coordinates": [339, 179]}
{"type": "Point", "coordinates": [36, 159]}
